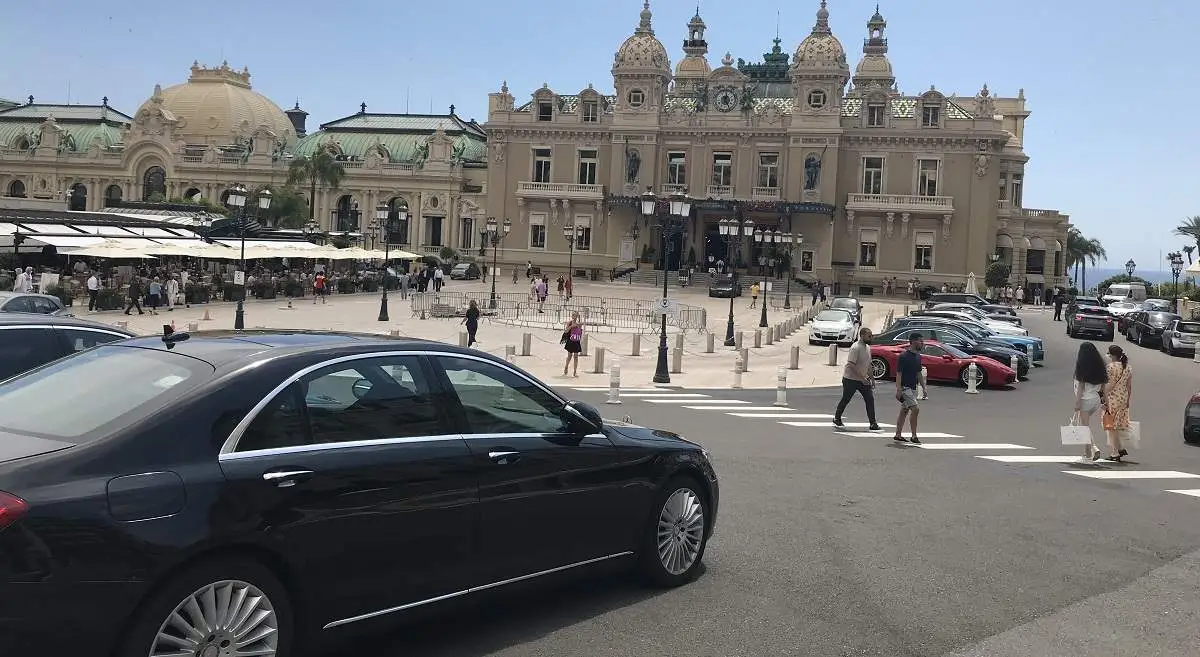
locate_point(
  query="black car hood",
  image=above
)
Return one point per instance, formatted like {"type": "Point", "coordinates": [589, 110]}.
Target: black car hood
{"type": "Point", "coordinates": [644, 434]}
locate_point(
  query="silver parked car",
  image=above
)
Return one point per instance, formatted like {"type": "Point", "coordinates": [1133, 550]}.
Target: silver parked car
{"type": "Point", "coordinates": [1180, 336]}
{"type": "Point", "coordinates": [832, 326]}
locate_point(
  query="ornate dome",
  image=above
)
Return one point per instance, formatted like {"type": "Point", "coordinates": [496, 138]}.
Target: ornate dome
{"type": "Point", "coordinates": [873, 66]}
{"type": "Point", "coordinates": [217, 106]}
{"type": "Point", "coordinates": [692, 67]}
{"type": "Point", "coordinates": [642, 50]}
{"type": "Point", "coordinates": [820, 50]}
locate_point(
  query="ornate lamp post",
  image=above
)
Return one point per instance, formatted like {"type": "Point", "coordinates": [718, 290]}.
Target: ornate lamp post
{"type": "Point", "coordinates": [764, 237]}
{"type": "Point", "coordinates": [1130, 266]}
{"type": "Point", "coordinates": [1176, 260]}
{"type": "Point", "coordinates": [237, 200]}
{"type": "Point", "coordinates": [495, 237]}
{"type": "Point", "coordinates": [570, 233]}
{"type": "Point", "coordinates": [382, 225]}
{"type": "Point", "coordinates": [790, 241]}
{"type": "Point", "coordinates": [729, 230]}
{"type": "Point", "coordinates": [670, 223]}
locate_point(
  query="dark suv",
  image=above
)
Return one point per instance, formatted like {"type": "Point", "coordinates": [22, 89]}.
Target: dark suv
{"type": "Point", "coordinates": [1086, 319]}
{"type": "Point", "coordinates": [954, 297]}
{"type": "Point", "coordinates": [28, 340]}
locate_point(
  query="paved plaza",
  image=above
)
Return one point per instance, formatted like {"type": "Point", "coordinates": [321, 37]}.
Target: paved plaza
{"type": "Point", "coordinates": [359, 312]}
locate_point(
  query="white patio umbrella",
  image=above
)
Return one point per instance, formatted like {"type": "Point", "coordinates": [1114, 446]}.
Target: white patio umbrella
{"type": "Point", "coordinates": [972, 288]}
{"type": "Point", "coordinates": [111, 249]}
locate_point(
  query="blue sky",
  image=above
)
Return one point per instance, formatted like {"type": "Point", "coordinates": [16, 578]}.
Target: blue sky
{"type": "Point", "coordinates": [1111, 84]}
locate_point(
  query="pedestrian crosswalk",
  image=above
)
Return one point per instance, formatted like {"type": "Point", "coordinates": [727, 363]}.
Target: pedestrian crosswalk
{"type": "Point", "coordinates": [1001, 453]}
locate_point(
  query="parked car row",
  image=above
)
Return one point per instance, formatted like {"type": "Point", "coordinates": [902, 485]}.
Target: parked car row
{"type": "Point", "coordinates": [1148, 323]}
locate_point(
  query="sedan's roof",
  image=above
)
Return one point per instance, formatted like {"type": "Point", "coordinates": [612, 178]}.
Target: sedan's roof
{"type": "Point", "coordinates": [40, 319]}
{"type": "Point", "coordinates": [222, 348]}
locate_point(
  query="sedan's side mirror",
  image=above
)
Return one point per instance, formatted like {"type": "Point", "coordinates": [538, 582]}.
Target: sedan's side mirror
{"type": "Point", "coordinates": [583, 417]}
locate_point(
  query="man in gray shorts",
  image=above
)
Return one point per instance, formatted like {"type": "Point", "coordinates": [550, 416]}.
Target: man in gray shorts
{"type": "Point", "coordinates": [908, 377]}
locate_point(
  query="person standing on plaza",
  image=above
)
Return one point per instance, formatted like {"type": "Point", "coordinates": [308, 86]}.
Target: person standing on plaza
{"type": "Point", "coordinates": [857, 378]}
{"type": "Point", "coordinates": [569, 287]}
{"type": "Point", "coordinates": [319, 287]}
{"type": "Point", "coordinates": [438, 278]}
{"type": "Point", "coordinates": [1019, 296]}
{"type": "Point", "coordinates": [93, 288]}
{"type": "Point", "coordinates": [908, 377]}
{"type": "Point", "coordinates": [541, 289]}
{"type": "Point", "coordinates": [135, 295]}
{"type": "Point", "coordinates": [404, 283]}
{"type": "Point", "coordinates": [754, 290]}
{"type": "Point", "coordinates": [172, 291]}
{"type": "Point", "coordinates": [1090, 381]}
{"type": "Point", "coordinates": [471, 320]}
{"type": "Point", "coordinates": [154, 295]}
{"type": "Point", "coordinates": [573, 343]}
{"type": "Point", "coordinates": [1058, 304]}
{"type": "Point", "coordinates": [1118, 395]}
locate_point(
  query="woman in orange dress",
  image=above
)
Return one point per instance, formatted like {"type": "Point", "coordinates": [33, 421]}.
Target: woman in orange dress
{"type": "Point", "coordinates": [1117, 396]}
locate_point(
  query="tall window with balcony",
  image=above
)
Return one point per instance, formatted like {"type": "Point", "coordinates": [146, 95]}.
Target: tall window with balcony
{"type": "Point", "coordinates": [923, 251]}
{"type": "Point", "coordinates": [545, 111]}
{"type": "Point", "coordinates": [588, 164]}
{"type": "Point", "coordinates": [931, 116]}
{"type": "Point", "coordinates": [875, 115]}
{"type": "Point", "coordinates": [927, 177]}
{"type": "Point", "coordinates": [677, 169]}
{"type": "Point", "coordinates": [722, 173]}
{"type": "Point", "coordinates": [872, 182]}
{"type": "Point", "coordinates": [768, 170]}
{"type": "Point", "coordinates": [590, 111]}
{"type": "Point", "coordinates": [868, 247]}
{"type": "Point", "coordinates": [1015, 189]}
{"type": "Point", "coordinates": [466, 238]}
{"type": "Point", "coordinates": [537, 231]}
{"type": "Point", "coordinates": [1035, 261]}
{"type": "Point", "coordinates": [583, 232]}
{"type": "Point", "coordinates": [433, 231]}
{"type": "Point", "coordinates": [541, 165]}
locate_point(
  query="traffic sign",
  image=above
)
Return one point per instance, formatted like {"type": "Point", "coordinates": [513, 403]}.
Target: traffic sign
{"type": "Point", "coordinates": [239, 278]}
{"type": "Point", "coordinates": [668, 307]}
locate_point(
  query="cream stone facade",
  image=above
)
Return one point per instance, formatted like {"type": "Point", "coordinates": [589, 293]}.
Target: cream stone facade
{"type": "Point", "coordinates": [879, 183]}
{"type": "Point", "coordinates": [202, 137]}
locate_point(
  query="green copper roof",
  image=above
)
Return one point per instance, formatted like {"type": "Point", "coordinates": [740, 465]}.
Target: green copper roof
{"type": "Point", "coordinates": [64, 113]}
{"type": "Point", "coordinates": [6, 103]}
{"type": "Point", "coordinates": [401, 137]}
{"type": "Point", "coordinates": [76, 137]}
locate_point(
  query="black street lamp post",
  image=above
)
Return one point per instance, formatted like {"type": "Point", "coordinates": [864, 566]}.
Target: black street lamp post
{"type": "Point", "coordinates": [496, 233]}
{"type": "Point", "coordinates": [764, 237]}
{"type": "Point", "coordinates": [570, 233]}
{"type": "Point", "coordinates": [237, 200]}
{"type": "Point", "coordinates": [1176, 260]}
{"type": "Point", "coordinates": [670, 223]}
{"type": "Point", "coordinates": [382, 226]}
{"type": "Point", "coordinates": [1130, 266]}
{"type": "Point", "coordinates": [790, 241]}
{"type": "Point", "coordinates": [729, 230]}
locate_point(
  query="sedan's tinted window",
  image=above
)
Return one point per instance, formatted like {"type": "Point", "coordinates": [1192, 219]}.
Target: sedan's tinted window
{"type": "Point", "coordinates": [372, 399]}
{"type": "Point", "coordinates": [91, 393]}
{"type": "Point", "coordinates": [44, 306]}
{"type": "Point", "coordinates": [18, 305]}
{"type": "Point", "coordinates": [932, 350]}
{"type": "Point", "coordinates": [80, 339]}
{"type": "Point", "coordinates": [497, 400]}
{"type": "Point", "coordinates": [26, 348]}
{"type": "Point", "coordinates": [1188, 327]}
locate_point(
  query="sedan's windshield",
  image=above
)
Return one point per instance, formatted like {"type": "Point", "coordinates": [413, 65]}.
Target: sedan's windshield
{"type": "Point", "coordinates": [844, 303]}
{"type": "Point", "coordinates": [833, 316]}
{"type": "Point", "coordinates": [1161, 318]}
{"type": "Point", "coordinates": [75, 399]}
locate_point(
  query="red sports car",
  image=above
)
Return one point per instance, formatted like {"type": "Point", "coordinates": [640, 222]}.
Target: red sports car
{"type": "Point", "coordinates": [942, 363]}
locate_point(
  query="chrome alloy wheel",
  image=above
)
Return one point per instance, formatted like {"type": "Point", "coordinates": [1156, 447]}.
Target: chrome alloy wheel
{"type": "Point", "coordinates": [680, 531]}
{"type": "Point", "coordinates": [224, 619]}
{"type": "Point", "coordinates": [878, 368]}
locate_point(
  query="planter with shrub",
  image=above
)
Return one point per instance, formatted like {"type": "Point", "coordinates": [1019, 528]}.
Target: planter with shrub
{"type": "Point", "coordinates": [345, 286]}
{"type": "Point", "coordinates": [264, 290]}
{"type": "Point", "coordinates": [109, 299]}
{"type": "Point", "coordinates": [233, 292]}
{"type": "Point", "coordinates": [64, 294]}
{"type": "Point", "coordinates": [193, 293]}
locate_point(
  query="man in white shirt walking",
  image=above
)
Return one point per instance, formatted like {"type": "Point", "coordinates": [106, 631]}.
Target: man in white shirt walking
{"type": "Point", "coordinates": [93, 288]}
{"type": "Point", "coordinates": [857, 378]}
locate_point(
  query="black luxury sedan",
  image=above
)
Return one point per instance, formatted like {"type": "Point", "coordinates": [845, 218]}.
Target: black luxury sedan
{"type": "Point", "coordinates": [28, 340]}
{"type": "Point", "coordinates": [247, 493]}
{"type": "Point", "coordinates": [997, 351]}
{"type": "Point", "coordinates": [725, 286]}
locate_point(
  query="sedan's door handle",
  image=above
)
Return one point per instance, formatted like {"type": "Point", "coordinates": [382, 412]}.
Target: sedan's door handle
{"type": "Point", "coordinates": [286, 478]}
{"type": "Point", "coordinates": [504, 458]}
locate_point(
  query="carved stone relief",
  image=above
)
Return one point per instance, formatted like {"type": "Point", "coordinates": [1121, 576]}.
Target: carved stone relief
{"type": "Point", "coordinates": [891, 219]}
{"type": "Point", "coordinates": [904, 217]}
{"type": "Point", "coordinates": [849, 221]}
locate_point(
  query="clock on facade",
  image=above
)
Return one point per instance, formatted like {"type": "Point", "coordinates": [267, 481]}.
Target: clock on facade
{"type": "Point", "coordinates": [725, 99]}
{"type": "Point", "coordinates": [816, 99]}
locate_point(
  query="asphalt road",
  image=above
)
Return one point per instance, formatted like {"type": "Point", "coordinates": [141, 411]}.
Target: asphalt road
{"type": "Point", "coordinates": [837, 545]}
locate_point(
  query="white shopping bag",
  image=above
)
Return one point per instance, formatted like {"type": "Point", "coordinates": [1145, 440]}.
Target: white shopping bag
{"type": "Point", "coordinates": [1073, 434]}
{"type": "Point", "coordinates": [1132, 437]}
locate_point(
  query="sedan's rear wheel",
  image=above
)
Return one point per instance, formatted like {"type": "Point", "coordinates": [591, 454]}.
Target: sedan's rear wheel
{"type": "Point", "coordinates": [221, 607]}
{"type": "Point", "coordinates": [674, 543]}
{"type": "Point", "coordinates": [879, 368]}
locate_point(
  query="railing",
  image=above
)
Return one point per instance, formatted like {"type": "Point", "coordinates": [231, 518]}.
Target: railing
{"type": "Point", "coordinates": [1030, 212]}
{"type": "Point", "coordinates": [597, 313]}
{"type": "Point", "coordinates": [900, 202]}
{"type": "Point", "coordinates": [670, 190]}
{"type": "Point", "coordinates": [560, 190]}
{"type": "Point", "coordinates": [720, 191]}
{"type": "Point", "coordinates": [1004, 206]}
{"type": "Point", "coordinates": [765, 194]}
{"type": "Point", "coordinates": [430, 249]}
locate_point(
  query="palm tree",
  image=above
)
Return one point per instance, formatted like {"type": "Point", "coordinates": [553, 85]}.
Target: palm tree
{"type": "Point", "coordinates": [318, 168]}
{"type": "Point", "coordinates": [1190, 228]}
{"type": "Point", "coordinates": [1189, 249]}
{"type": "Point", "coordinates": [1080, 251]}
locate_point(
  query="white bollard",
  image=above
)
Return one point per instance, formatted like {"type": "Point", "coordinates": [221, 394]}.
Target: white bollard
{"type": "Point", "coordinates": [123, 325]}
{"type": "Point", "coordinates": [510, 353]}
{"type": "Point", "coordinates": [614, 383]}
{"type": "Point", "coordinates": [795, 363]}
{"type": "Point", "coordinates": [599, 368]}
{"type": "Point", "coordinates": [758, 339]}
{"type": "Point", "coordinates": [1196, 355]}
{"type": "Point", "coordinates": [770, 336]}
{"type": "Point", "coordinates": [636, 350]}
{"type": "Point", "coordinates": [676, 361]}
{"type": "Point", "coordinates": [194, 326]}
{"type": "Point", "coordinates": [462, 338]}
{"type": "Point", "coordinates": [679, 342]}
{"type": "Point", "coordinates": [832, 360]}
{"type": "Point", "coordinates": [1014, 363]}
{"type": "Point", "coordinates": [583, 345]}
{"type": "Point", "coordinates": [395, 333]}
{"type": "Point", "coordinates": [745, 360]}
{"type": "Point", "coordinates": [738, 367]}
{"type": "Point", "coordinates": [923, 383]}
{"type": "Point", "coordinates": [972, 379]}
{"type": "Point", "coordinates": [710, 343]}
{"type": "Point", "coordinates": [780, 386]}
{"type": "Point", "coordinates": [737, 340]}
{"type": "Point", "coordinates": [526, 344]}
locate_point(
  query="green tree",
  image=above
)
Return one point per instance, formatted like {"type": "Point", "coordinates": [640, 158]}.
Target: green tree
{"type": "Point", "coordinates": [288, 208]}
{"type": "Point", "coordinates": [997, 274]}
{"type": "Point", "coordinates": [1080, 251]}
{"type": "Point", "coordinates": [1190, 228]}
{"type": "Point", "coordinates": [317, 169]}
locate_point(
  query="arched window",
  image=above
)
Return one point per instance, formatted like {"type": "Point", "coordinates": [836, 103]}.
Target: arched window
{"type": "Point", "coordinates": [78, 197]}
{"type": "Point", "coordinates": [16, 188]}
{"type": "Point", "coordinates": [112, 195]}
{"type": "Point", "coordinates": [154, 184]}
{"type": "Point", "coordinates": [346, 214]}
{"type": "Point", "coordinates": [399, 229]}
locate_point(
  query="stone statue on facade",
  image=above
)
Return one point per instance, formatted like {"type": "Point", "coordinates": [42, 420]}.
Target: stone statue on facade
{"type": "Point", "coordinates": [633, 164]}
{"type": "Point", "coordinates": [812, 171]}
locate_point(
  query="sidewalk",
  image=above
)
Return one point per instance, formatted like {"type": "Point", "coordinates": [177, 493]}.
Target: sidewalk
{"type": "Point", "coordinates": [359, 313]}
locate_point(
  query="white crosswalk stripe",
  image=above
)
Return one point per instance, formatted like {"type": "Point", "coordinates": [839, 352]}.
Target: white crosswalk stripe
{"type": "Point", "coordinates": [965, 446]}
{"type": "Point", "coordinates": [662, 395]}
{"type": "Point", "coordinates": [773, 414]}
{"type": "Point", "coordinates": [695, 401]}
{"type": "Point", "coordinates": [829, 424]}
{"type": "Point", "coordinates": [1194, 492]}
{"type": "Point", "coordinates": [625, 390]}
{"type": "Point", "coordinates": [1133, 474]}
{"type": "Point", "coordinates": [1031, 458]}
{"type": "Point", "coordinates": [740, 408]}
{"type": "Point", "coordinates": [921, 434]}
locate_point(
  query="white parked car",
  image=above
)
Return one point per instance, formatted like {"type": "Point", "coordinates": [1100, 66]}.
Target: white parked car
{"type": "Point", "coordinates": [1003, 328]}
{"type": "Point", "coordinates": [832, 326]}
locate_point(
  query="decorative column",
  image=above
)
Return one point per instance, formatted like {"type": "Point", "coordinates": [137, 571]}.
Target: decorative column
{"type": "Point", "coordinates": [419, 222]}
{"type": "Point", "coordinates": [891, 219]}
{"type": "Point", "coordinates": [946, 219]}
{"type": "Point", "coordinates": [850, 221]}
{"type": "Point", "coordinates": [904, 217]}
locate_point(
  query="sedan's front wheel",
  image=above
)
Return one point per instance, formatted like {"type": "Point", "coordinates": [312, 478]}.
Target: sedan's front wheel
{"type": "Point", "coordinates": [219, 607]}
{"type": "Point", "coordinates": [674, 541]}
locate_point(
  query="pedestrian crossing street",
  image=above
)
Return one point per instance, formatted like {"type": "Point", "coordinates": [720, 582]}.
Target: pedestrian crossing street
{"type": "Point", "coordinates": [1010, 453]}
